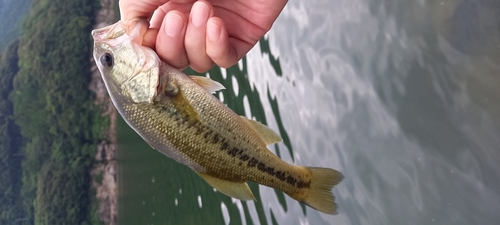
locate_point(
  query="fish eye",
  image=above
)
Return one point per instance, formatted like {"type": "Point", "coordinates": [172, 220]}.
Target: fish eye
{"type": "Point", "coordinates": [107, 60]}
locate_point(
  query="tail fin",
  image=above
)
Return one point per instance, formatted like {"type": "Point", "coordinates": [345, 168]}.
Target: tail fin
{"type": "Point", "coordinates": [320, 194]}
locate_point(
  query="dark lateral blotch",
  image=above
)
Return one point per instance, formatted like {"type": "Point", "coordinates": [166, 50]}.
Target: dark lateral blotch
{"type": "Point", "coordinates": [253, 162]}
{"type": "Point", "coordinates": [244, 157]}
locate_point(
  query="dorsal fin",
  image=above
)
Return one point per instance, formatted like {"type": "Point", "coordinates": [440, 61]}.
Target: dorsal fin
{"type": "Point", "coordinates": [207, 83]}
{"type": "Point", "coordinates": [267, 135]}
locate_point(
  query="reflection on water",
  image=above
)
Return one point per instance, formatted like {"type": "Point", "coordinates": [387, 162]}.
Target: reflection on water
{"type": "Point", "coordinates": [402, 98]}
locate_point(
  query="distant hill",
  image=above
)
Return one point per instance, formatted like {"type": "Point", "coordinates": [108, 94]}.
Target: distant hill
{"type": "Point", "coordinates": [12, 13]}
{"type": "Point", "coordinates": [55, 113]}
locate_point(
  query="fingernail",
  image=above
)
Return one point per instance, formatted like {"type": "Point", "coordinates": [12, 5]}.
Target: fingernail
{"type": "Point", "coordinates": [173, 25]}
{"type": "Point", "coordinates": [199, 14]}
{"type": "Point", "coordinates": [213, 31]}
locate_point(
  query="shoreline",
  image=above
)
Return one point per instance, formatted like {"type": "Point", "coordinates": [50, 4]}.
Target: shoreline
{"type": "Point", "coordinates": [104, 170]}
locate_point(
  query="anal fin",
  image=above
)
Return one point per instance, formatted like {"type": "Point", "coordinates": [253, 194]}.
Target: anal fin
{"type": "Point", "coordinates": [233, 189]}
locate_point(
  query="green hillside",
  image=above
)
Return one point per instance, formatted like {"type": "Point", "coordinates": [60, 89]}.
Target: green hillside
{"type": "Point", "coordinates": [49, 124]}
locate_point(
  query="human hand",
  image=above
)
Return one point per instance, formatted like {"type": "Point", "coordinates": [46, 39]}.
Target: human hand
{"type": "Point", "coordinates": [200, 33]}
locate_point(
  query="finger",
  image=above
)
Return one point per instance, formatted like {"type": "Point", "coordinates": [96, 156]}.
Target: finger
{"type": "Point", "coordinates": [170, 40]}
{"type": "Point", "coordinates": [157, 18]}
{"type": "Point", "coordinates": [150, 38]}
{"type": "Point", "coordinates": [196, 35]}
{"type": "Point", "coordinates": [154, 28]}
{"type": "Point", "coordinates": [132, 9]}
{"type": "Point", "coordinates": [218, 46]}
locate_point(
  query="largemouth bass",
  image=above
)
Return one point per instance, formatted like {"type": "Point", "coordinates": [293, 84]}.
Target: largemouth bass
{"type": "Point", "coordinates": [178, 115]}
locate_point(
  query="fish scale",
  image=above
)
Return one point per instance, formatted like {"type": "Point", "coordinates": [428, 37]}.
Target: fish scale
{"type": "Point", "coordinates": [175, 131]}
{"type": "Point", "coordinates": [178, 116]}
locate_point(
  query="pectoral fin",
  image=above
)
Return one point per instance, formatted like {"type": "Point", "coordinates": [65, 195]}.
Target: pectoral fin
{"type": "Point", "coordinates": [207, 83]}
{"type": "Point", "coordinates": [268, 135]}
{"type": "Point", "coordinates": [236, 190]}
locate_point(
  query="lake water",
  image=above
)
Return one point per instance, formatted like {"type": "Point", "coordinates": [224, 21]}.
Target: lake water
{"type": "Point", "coordinates": [402, 97]}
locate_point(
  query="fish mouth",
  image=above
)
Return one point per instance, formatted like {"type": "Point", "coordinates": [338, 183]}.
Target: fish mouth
{"type": "Point", "coordinates": [109, 32]}
{"type": "Point", "coordinates": [135, 29]}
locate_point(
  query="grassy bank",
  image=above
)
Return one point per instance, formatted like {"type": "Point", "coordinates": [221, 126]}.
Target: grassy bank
{"type": "Point", "coordinates": [50, 126]}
